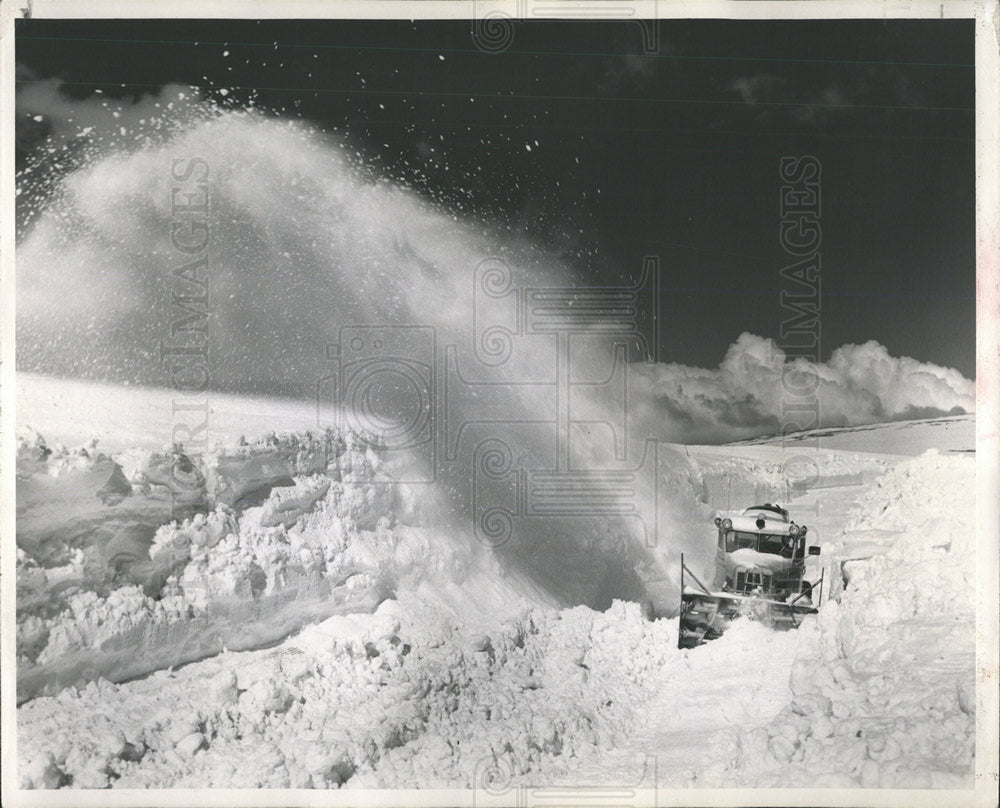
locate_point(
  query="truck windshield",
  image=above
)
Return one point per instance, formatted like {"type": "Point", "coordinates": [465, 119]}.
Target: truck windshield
{"type": "Point", "coordinates": [762, 543]}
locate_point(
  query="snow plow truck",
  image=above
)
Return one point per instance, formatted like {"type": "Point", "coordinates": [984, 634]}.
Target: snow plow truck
{"type": "Point", "coordinates": [759, 574]}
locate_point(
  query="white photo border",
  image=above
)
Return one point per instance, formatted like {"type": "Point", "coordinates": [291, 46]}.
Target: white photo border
{"type": "Point", "coordinates": [986, 15]}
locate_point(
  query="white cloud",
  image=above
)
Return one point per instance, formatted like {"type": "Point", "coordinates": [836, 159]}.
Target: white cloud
{"type": "Point", "coordinates": [757, 390]}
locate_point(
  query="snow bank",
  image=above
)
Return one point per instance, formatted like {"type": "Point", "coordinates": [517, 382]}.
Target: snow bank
{"type": "Point", "coordinates": [888, 698]}
{"type": "Point", "coordinates": [402, 698]}
{"type": "Point", "coordinates": [240, 547]}
{"type": "Point", "coordinates": [956, 433]}
{"type": "Point", "coordinates": [410, 657]}
{"type": "Point", "coordinates": [111, 588]}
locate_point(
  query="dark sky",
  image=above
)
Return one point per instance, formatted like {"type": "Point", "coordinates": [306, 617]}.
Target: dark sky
{"type": "Point", "coordinates": [674, 154]}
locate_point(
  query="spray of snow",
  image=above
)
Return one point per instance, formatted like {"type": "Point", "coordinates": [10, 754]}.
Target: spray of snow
{"type": "Point", "coordinates": [301, 243]}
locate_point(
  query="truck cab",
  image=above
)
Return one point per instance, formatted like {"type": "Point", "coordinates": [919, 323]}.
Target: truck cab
{"type": "Point", "coordinates": [761, 552]}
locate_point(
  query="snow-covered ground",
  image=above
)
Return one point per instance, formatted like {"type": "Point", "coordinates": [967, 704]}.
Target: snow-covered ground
{"type": "Point", "coordinates": [953, 433]}
{"type": "Point", "coordinates": [270, 612]}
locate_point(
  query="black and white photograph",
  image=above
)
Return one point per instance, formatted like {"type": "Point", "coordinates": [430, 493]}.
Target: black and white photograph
{"type": "Point", "coordinates": [500, 404]}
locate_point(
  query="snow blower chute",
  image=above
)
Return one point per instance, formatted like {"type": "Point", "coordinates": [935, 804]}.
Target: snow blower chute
{"type": "Point", "coordinates": [759, 573]}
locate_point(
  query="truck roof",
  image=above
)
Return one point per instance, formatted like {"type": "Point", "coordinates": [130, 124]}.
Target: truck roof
{"type": "Point", "coordinates": [748, 524]}
{"type": "Point", "coordinates": [775, 519]}
{"type": "Point", "coordinates": [768, 511]}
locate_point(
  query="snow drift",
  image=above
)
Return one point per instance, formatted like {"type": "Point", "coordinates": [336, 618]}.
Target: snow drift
{"type": "Point", "coordinates": [120, 576]}
{"type": "Point", "coordinates": [164, 558]}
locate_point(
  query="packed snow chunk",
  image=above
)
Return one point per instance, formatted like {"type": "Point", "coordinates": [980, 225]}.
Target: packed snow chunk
{"type": "Point", "coordinates": [68, 502]}
{"type": "Point", "coordinates": [243, 476]}
{"type": "Point", "coordinates": [286, 505]}
{"type": "Point", "coordinates": [42, 772]}
{"type": "Point", "coordinates": [31, 454]}
{"type": "Point", "coordinates": [35, 456]}
{"type": "Point", "coordinates": [362, 503]}
{"type": "Point", "coordinates": [190, 744]}
{"type": "Point", "coordinates": [174, 477]}
{"type": "Point", "coordinates": [810, 677]}
{"type": "Point", "coordinates": [197, 535]}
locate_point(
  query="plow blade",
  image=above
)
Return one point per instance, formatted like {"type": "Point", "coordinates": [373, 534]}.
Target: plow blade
{"type": "Point", "coordinates": [705, 615]}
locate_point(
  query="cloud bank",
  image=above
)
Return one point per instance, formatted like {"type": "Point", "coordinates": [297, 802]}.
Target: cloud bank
{"type": "Point", "coordinates": [758, 389]}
